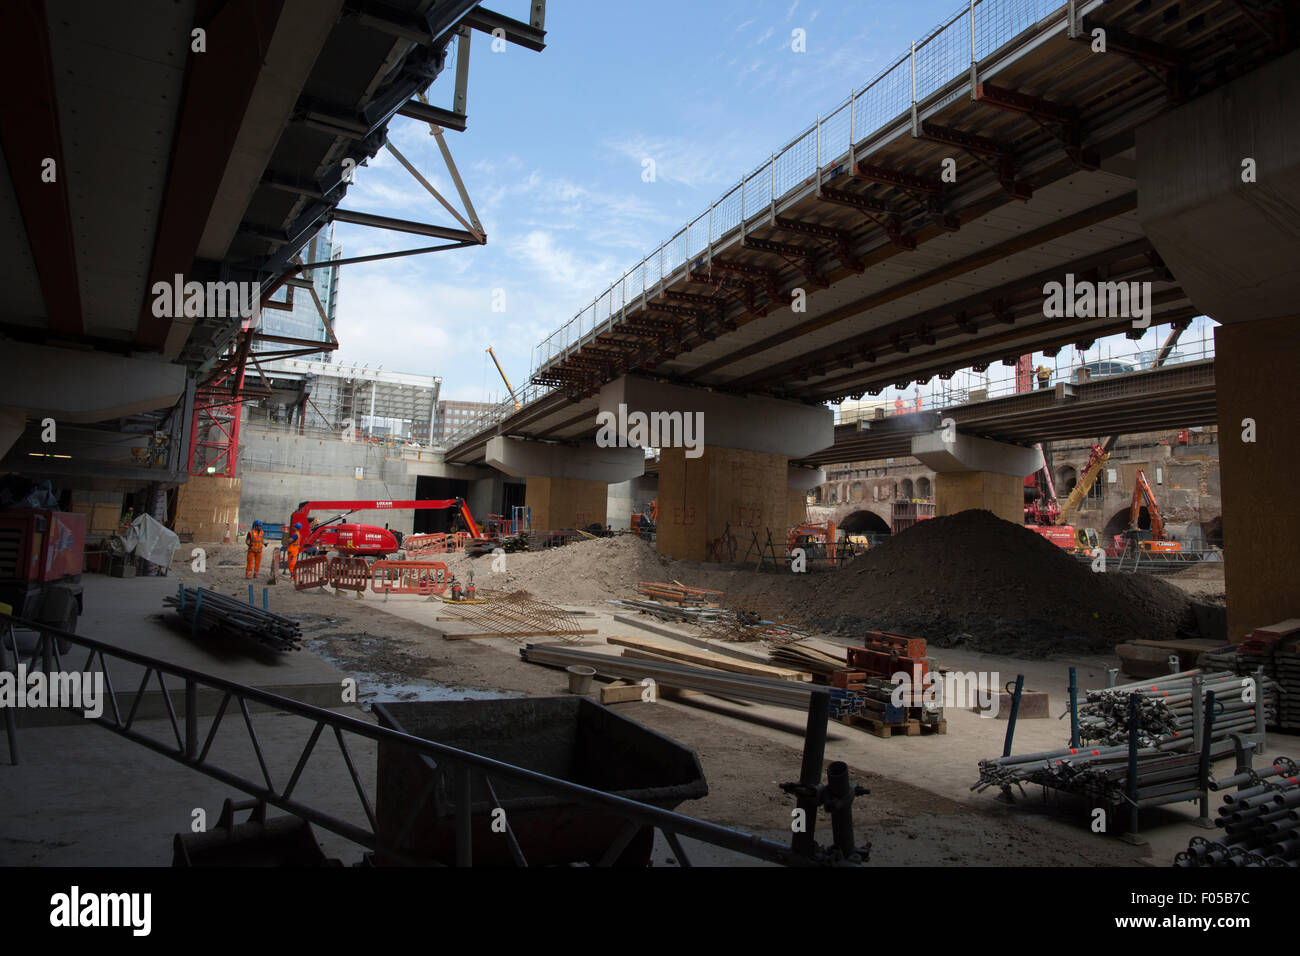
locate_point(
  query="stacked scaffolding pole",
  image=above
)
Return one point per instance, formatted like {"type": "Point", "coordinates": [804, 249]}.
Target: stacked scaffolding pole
{"type": "Point", "coordinates": [215, 616]}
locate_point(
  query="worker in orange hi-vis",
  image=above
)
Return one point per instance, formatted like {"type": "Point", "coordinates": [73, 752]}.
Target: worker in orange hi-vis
{"type": "Point", "coordinates": [898, 406]}
{"type": "Point", "coordinates": [295, 545]}
{"type": "Point", "coordinates": [256, 541]}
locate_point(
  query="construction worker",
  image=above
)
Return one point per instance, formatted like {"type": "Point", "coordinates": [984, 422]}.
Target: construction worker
{"type": "Point", "coordinates": [256, 541]}
{"type": "Point", "coordinates": [295, 545]}
{"type": "Point", "coordinates": [1044, 376]}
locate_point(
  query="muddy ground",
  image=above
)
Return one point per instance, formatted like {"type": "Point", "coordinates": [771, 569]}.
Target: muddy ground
{"type": "Point", "coordinates": [905, 823]}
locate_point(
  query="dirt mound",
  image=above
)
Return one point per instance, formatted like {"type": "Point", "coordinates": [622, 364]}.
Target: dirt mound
{"type": "Point", "coordinates": [585, 572]}
{"type": "Point", "coordinates": [976, 579]}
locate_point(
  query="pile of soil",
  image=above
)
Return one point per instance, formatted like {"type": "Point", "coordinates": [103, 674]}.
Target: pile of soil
{"type": "Point", "coordinates": [974, 579]}
{"type": "Point", "coordinates": [584, 572]}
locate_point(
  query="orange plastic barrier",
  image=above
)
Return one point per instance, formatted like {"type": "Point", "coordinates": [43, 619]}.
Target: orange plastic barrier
{"type": "Point", "coordinates": [417, 544]}
{"type": "Point", "coordinates": [311, 573]}
{"type": "Point", "coordinates": [349, 574]}
{"type": "Point", "coordinates": [409, 577]}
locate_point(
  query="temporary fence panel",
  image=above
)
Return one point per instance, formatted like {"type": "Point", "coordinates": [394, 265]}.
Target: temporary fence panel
{"type": "Point", "coordinates": [409, 577]}
{"type": "Point", "coordinates": [311, 573]}
{"type": "Point", "coordinates": [417, 544]}
{"type": "Point", "coordinates": [349, 574]}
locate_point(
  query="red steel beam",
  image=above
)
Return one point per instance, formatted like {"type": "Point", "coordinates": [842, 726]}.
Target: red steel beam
{"type": "Point", "coordinates": [29, 131]}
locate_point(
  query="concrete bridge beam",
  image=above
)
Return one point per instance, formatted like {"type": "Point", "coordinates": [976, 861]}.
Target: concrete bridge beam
{"type": "Point", "coordinates": [724, 464]}
{"type": "Point", "coordinates": [73, 386]}
{"type": "Point", "coordinates": [752, 423]}
{"type": "Point", "coordinates": [973, 472]}
{"type": "Point", "coordinates": [567, 486]}
{"type": "Point", "coordinates": [1234, 245]}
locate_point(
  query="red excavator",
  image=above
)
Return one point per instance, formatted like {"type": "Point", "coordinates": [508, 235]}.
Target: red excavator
{"type": "Point", "coordinates": [1157, 541]}
{"type": "Point", "coordinates": [368, 541]}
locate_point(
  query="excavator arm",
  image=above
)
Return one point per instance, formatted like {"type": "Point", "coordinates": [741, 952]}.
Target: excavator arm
{"type": "Point", "coordinates": [1143, 495]}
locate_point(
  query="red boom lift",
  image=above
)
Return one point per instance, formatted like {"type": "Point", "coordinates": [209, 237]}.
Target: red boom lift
{"type": "Point", "coordinates": [369, 541]}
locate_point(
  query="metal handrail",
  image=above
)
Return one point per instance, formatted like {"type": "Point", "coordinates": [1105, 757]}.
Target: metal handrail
{"type": "Point", "coordinates": [947, 396]}
{"type": "Point", "coordinates": [952, 50]}
{"type": "Point", "coordinates": [464, 764]}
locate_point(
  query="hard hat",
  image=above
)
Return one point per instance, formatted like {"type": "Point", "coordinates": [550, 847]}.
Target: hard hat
{"type": "Point", "coordinates": [297, 524]}
{"type": "Point", "coordinates": [257, 524]}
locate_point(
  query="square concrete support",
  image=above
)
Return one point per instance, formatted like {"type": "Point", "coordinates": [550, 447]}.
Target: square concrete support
{"type": "Point", "coordinates": [1003, 495]}
{"type": "Point", "coordinates": [700, 497]}
{"type": "Point", "coordinates": [1255, 377]}
{"type": "Point", "coordinates": [562, 503]}
{"type": "Point", "coordinates": [796, 506]}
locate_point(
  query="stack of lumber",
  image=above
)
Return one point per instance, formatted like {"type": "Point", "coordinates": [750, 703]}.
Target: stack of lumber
{"type": "Point", "coordinates": [810, 654]}
{"type": "Point", "coordinates": [649, 649]}
{"type": "Point", "coordinates": [678, 593]}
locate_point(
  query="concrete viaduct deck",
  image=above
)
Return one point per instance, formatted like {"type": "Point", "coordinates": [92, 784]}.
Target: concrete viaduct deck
{"type": "Point", "coordinates": [919, 229]}
{"type": "Point", "coordinates": [1181, 396]}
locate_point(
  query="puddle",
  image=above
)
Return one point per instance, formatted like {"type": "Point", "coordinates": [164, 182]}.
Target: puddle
{"type": "Point", "coordinates": [380, 687]}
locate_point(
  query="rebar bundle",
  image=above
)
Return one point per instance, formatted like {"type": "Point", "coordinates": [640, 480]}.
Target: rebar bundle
{"type": "Point", "coordinates": [1260, 822]}
{"type": "Point", "coordinates": [1166, 707]}
{"type": "Point", "coordinates": [217, 616]}
{"type": "Point", "coordinates": [518, 616]}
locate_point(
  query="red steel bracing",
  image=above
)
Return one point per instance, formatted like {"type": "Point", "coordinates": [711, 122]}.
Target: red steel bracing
{"type": "Point", "coordinates": [311, 573]}
{"type": "Point", "coordinates": [409, 577]}
{"type": "Point", "coordinates": [218, 402]}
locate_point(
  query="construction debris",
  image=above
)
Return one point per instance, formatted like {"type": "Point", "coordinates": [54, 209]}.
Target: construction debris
{"type": "Point", "coordinates": [215, 616]}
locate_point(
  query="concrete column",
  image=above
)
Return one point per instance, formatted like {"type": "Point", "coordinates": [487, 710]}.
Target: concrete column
{"type": "Point", "coordinates": [1003, 495]}
{"type": "Point", "coordinates": [1218, 194]}
{"type": "Point", "coordinates": [724, 459]}
{"type": "Point", "coordinates": [977, 473]}
{"type": "Point", "coordinates": [12, 423]}
{"type": "Point", "coordinates": [700, 498]}
{"type": "Point", "coordinates": [562, 503]}
{"type": "Point", "coordinates": [1255, 375]}
{"type": "Point", "coordinates": [567, 485]}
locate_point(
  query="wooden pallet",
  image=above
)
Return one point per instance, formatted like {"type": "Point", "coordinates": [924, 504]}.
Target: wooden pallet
{"type": "Point", "coordinates": [908, 728]}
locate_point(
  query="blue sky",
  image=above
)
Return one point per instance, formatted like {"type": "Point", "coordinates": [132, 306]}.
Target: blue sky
{"type": "Point", "coordinates": [552, 160]}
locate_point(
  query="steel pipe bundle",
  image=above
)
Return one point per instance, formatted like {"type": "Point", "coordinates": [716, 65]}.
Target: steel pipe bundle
{"type": "Point", "coordinates": [1166, 708]}
{"type": "Point", "coordinates": [1260, 823]}
{"type": "Point", "coordinates": [1100, 772]}
{"type": "Point", "coordinates": [212, 615]}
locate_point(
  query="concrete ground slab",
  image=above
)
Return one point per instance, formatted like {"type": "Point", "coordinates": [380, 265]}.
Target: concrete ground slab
{"type": "Point", "coordinates": [129, 613]}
